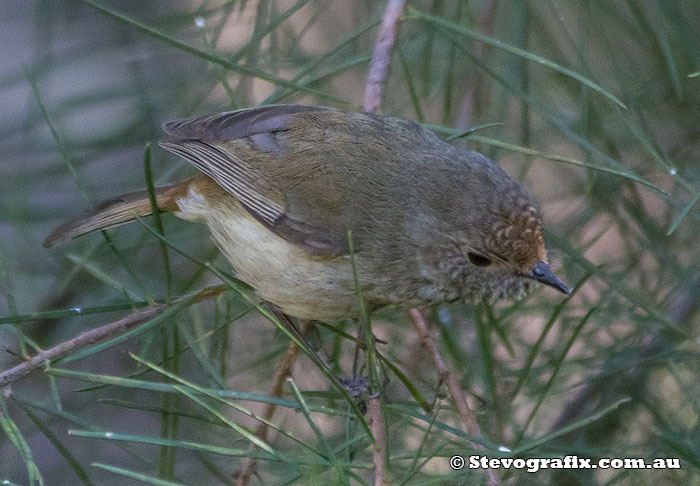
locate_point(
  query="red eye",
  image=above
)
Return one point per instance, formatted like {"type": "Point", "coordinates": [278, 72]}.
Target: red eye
{"type": "Point", "coordinates": [478, 260]}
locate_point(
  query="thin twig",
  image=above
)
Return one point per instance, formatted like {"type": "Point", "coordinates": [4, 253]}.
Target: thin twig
{"type": "Point", "coordinates": [249, 466]}
{"type": "Point", "coordinates": [446, 376]}
{"type": "Point", "coordinates": [450, 379]}
{"type": "Point", "coordinates": [100, 334]}
{"type": "Point", "coordinates": [376, 78]}
{"type": "Point", "coordinates": [381, 58]}
{"type": "Point", "coordinates": [376, 425]}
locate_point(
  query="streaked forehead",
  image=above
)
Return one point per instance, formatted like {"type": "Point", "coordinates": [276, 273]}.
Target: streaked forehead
{"type": "Point", "coordinates": [517, 235]}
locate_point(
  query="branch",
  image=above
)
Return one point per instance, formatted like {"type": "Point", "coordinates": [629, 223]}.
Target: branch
{"type": "Point", "coordinates": [450, 379]}
{"type": "Point", "coordinates": [376, 78]}
{"type": "Point", "coordinates": [376, 424]}
{"type": "Point", "coordinates": [100, 334]}
{"type": "Point", "coordinates": [249, 466]}
{"type": "Point", "coordinates": [381, 58]}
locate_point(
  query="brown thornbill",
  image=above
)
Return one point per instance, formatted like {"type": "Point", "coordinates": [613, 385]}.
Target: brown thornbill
{"type": "Point", "coordinates": [280, 186]}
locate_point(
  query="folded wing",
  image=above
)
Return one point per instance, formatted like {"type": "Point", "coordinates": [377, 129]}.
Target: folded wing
{"type": "Point", "coordinates": [230, 148]}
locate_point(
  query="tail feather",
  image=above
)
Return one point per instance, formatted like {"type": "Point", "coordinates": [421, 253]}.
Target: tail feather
{"type": "Point", "coordinates": [118, 211]}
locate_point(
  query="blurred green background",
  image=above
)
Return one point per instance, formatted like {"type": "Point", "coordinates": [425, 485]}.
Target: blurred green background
{"type": "Point", "coordinates": [593, 104]}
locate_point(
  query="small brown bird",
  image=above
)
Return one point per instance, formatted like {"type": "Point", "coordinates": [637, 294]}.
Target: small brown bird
{"type": "Point", "coordinates": [281, 186]}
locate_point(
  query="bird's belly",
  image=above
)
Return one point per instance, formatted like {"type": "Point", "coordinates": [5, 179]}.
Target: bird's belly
{"type": "Point", "coordinates": [282, 273]}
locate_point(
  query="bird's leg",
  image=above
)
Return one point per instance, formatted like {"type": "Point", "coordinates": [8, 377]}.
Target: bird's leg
{"type": "Point", "coordinates": [300, 335]}
{"type": "Point", "coordinates": [357, 384]}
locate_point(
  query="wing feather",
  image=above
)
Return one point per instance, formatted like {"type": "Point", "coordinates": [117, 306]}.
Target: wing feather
{"type": "Point", "coordinates": [234, 125]}
{"type": "Point", "coordinates": [234, 175]}
{"type": "Point", "coordinates": [209, 144]}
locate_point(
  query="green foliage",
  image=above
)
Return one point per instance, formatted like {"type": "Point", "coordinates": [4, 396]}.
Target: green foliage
{"type": "Point", "coordinates": [594, 104]}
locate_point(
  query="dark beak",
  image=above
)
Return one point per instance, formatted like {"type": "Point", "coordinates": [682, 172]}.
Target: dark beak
{"type": "Point", "coordinates": [544, 275]}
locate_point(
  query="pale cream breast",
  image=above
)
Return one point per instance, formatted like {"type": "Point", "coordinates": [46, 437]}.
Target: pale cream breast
{"type": "Point", "coordinates": [281, 272]}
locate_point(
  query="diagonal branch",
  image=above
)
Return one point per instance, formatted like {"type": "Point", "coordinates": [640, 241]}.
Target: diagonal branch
{"type": "Point", "coordinates": [94, 336]}
{"type": "Point", "coordinates": [449, 378]}
{"type": "Point", "coordinates": [249, 465]}
{"type": "Point", "coordinates": [376, 78]}
{"type": "Point", "coordinates": [381, 58]}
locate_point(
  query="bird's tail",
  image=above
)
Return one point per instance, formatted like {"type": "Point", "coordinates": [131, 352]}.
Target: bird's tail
{"type": "Point", "coordinates": [118, 211]}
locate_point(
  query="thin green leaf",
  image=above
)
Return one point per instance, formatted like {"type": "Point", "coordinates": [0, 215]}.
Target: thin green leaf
{"type": "Point", "coordinates": [73, 419]}
{"type": "Point", "coordinates": [465, 31]}
{"type": "Point", "coordinates": [260, 34]}
{"type": "Point", "coordinates": [535, 349]}
{"type": "Point", "coordinates": [683, 214]}
{"type": "Point", "coordinates": [202, 391]}
{"type": "Point", "coordinates": [386, 362]}
{"type": "Point", "coordinates": [17, 438]}
{"type": "Point", "coordinates": [136, 475]}
{"type": "Point", "coordinates": [158, 387]}
{"type": "Point", "coordinates": [63, 450]}
{"type": "Point", "coordinates": [155, 211]}
{"type": "Point", "coordinates": [210, 57]}
{"type": "Point", "coordinates": [201, 358]}
{"type": "Point", "coordinates": [103, 277]}
{"type": "Point", "coordinates": [136, 331]}
{"type": "Point", "coordinates": [566, 160]}
{"type": "Point", "coordinates": [72, 312]}
{"type": "Point", "coordinates": [555, 372]}
{"type": "Point", "coordinates": [412, 411]}
{"type": "Point", "coordinates": [279, 94]}
{"type": "Point", "coordinates": [631, 294]}
{"type": "Point", "coordinates": [470, 131]}
{"type": "Point", "coordinates": [569, 428]}
{"type": "Point", "coordinates": [62, 150]}
{"type": "Point", "coordinates": [668, 57]}
{"type": "Point", "coordinates": [307, 415]}
{"type": "Point", "coordinates": [406, 70]}
{"type": "Point", "coordinates": [179, 443]}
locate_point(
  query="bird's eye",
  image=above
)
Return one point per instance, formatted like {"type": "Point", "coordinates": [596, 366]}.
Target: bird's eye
{"type": "Point", "coordinates": [478, 260]}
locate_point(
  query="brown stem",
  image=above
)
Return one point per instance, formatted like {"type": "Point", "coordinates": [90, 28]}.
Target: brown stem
{"type": "Point", "coordinates": [249, 465]}
{"type": "Point", "coordinates": [381, 58]}
{"type": "Point", "coordinates": [376, 424]}
{"type": "Point", "coordinates": [100, 334]}
{"type": "Point", "coordinates": [376, 78]}
{"type": "Point", "coordinates": [450, 379]}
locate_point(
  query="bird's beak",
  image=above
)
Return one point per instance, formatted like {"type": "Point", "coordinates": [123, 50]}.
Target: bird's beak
{"type": "Point", "coordinates": [544, 275]}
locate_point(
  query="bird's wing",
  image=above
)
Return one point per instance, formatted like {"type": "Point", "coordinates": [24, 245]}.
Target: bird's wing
{"type": "Point", "coordinates": [230, 148]}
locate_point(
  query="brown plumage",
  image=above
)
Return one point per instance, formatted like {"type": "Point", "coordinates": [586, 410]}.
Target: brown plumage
{"type": "Point", "coordinates": [281, 186]}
